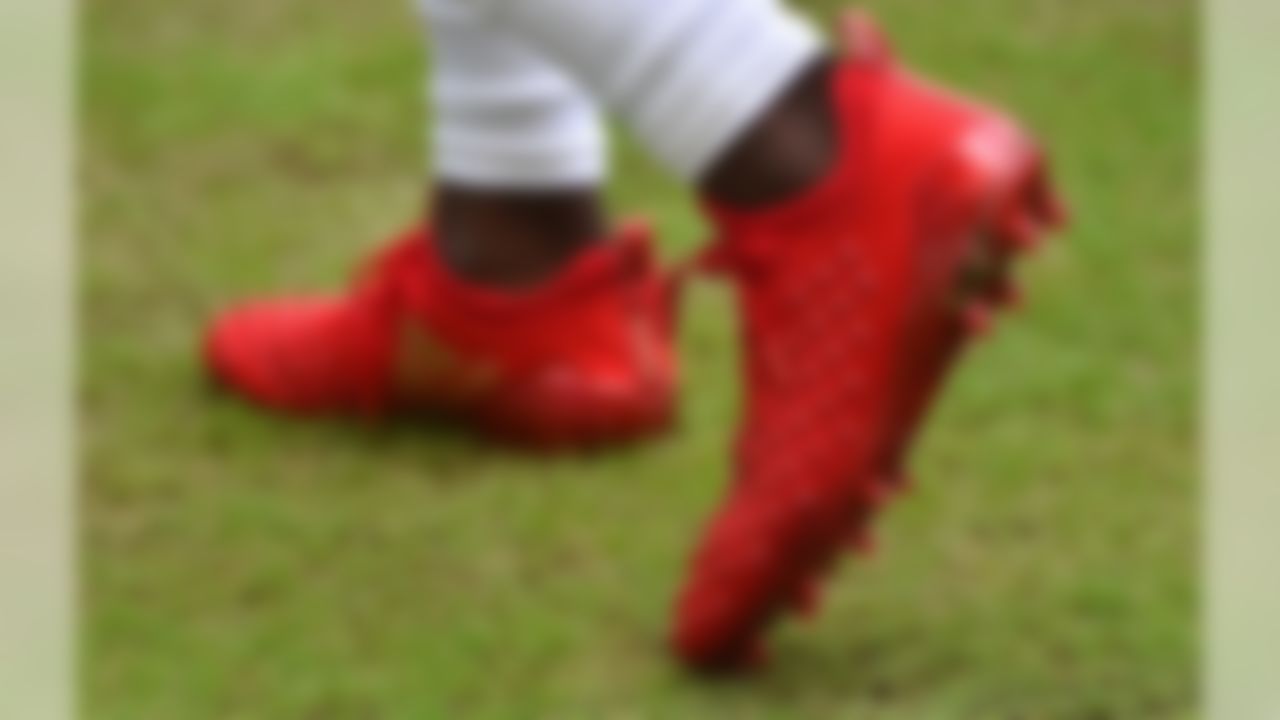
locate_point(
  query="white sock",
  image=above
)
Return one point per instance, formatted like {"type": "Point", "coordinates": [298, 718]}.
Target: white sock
{"type": "Point", "coordinates": [505, 116]}
{"type": "Point", "coordinates": [688, 75]}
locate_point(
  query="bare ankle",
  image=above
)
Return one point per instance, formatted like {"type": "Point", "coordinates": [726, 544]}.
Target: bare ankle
{"type": "Point", "coordinates": [514, 238]}
{"type": "Point", "coordinates": [790, 147]}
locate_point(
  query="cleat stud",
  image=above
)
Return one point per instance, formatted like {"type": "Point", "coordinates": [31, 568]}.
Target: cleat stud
{"type": "Point", "coordinates": [874, 494]}
{"type": "Point", "coordinates": [1054, 211]}
{"type": "Point", "coordinates": [901, 484]}
{"type": "Point", "coordinates": [1048, 205]}
{"type": "Point", "coordinates": [807, 601]}
{"type": "Point", "coordinates": [755, 656]}
{"type": "Point", "coordinates": [863, 543]}
{"type": "Point", "coordinates": [1009, 294]}
{"type": "Point", "coordinates": [978, 319]}
{"type": "Point", "coordinates": [1019, 231]}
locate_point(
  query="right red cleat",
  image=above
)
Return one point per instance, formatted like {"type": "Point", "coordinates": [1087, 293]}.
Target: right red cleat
{"type": "Point", "coordinates": [856, 297]}
{"type": "Point", "coordinates": [585, 358]}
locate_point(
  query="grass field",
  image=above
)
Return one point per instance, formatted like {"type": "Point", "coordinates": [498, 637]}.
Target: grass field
{"type": "Point", "coordinates": [241, 566]}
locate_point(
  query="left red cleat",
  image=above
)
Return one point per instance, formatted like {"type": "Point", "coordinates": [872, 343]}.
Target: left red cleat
{"type": "Point", "coordinates": [583, 359]}
{"type": "Point", "coordinates": [857, 297]}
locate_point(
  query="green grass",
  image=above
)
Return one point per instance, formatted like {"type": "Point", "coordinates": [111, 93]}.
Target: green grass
{"type": "Point", "coordinates": [241, 566]}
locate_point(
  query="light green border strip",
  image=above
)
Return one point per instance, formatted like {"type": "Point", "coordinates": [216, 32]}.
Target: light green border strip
{"type": "Point", "coordinates": [1242, 409]}
{"type": "Point", "coordinates": [36, 359]}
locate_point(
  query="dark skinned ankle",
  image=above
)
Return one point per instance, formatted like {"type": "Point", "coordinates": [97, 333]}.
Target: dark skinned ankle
{"type": "Point", "coordinates": [514, 238]}
{"type": "Point", "coordinates": [790, 147]}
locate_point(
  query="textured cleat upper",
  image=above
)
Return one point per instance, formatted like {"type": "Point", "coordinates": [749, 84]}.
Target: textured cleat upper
{"type": "Point", "coordinates": [585, 357]}
{"type": "Point", "coordinates": [844, 293]}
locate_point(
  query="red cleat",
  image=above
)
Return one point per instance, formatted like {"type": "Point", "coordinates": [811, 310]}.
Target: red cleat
{"type": "Point", "coordinates": [856, 299]}
{"type": "Point", "coordinates": [584, 359]}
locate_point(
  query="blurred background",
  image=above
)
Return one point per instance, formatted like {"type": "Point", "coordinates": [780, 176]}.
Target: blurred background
{"type": "Point", "coordinates": [242, 566]}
